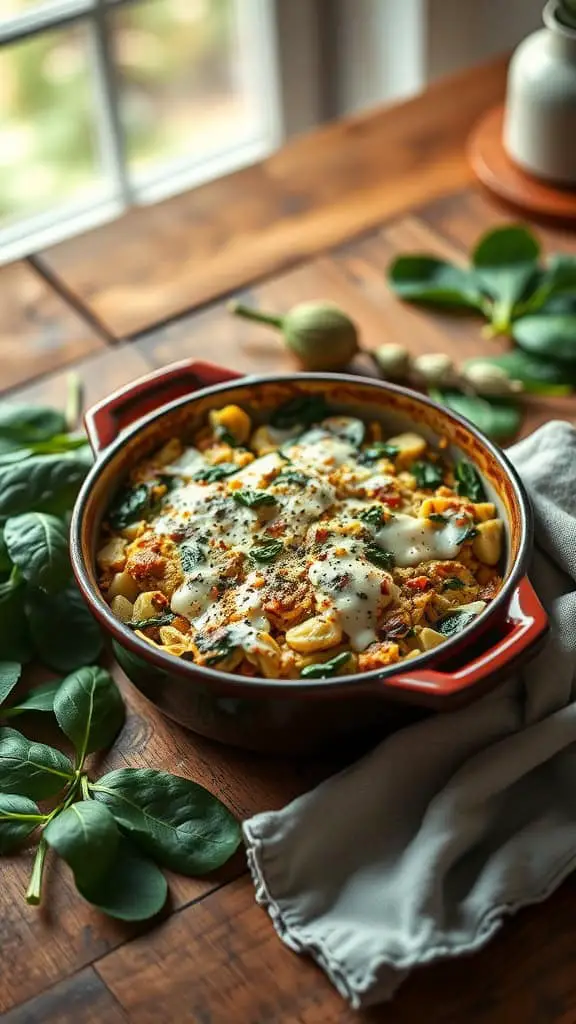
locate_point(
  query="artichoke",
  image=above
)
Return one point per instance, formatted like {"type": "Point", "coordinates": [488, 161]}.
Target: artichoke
{"type": "Point", "coordinates": [320, 334]}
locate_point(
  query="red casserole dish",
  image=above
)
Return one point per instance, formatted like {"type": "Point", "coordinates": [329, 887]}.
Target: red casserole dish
{"type": "Point", "coordinates": [290, 715]}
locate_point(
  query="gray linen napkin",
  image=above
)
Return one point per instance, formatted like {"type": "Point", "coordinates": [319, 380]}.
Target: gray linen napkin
{"type": "Point", "coordinates": [418, 851]}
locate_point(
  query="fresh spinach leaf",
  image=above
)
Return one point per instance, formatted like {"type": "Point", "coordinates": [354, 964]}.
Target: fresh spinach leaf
{"type": "Point", "coordinates": [506, 261]}
{"type": "Point", "coordinates": [175, 821]}
{"type": "Point", "coordinates": [217, 646]}
{"type": "Point", "coordinates": [38, 544]}
{"type": "Point", "coordinates": [437, 517]}
{"type": "Point", "coordinates": [377, 450]}
{"type": "Point", "coordinates": [46, 483]}
{"type": "Point", "coordinates": [89, 709]}
{"type": "Point", "coordinates": [10, 672]}
{"type": "Point", "coordinates": [267, 552]}
{"type": "Point", "coordinates": [373, 516]}
{"type": "Point", "coordinates": [428, 475]}
{"type": "Point", "coordinates": [211, 474]}
{"type": "Point", "coordinates": [302, 411]}
{"type": "Point", "coordinates": [453, 583]}
{"type": "Point", "coordinates": [498, 418]}
{"type": "Point", "coordinates": [25, 423]}
{"type": "Point", "coordinates": [31, 769]}
{"type": "Point", "coordinates": [253, 498]}
{"type": "Point", "coordinates": [380, 557]}
{"type": "Point", "coordinates": [41, 698]}
{"type": "Point", "coordinates": [469, 482]}
{"type": "Point", "coordinates": [429, 280]}
{"type": "Point", "coordinates": [466, 532]}
{"type": "Point", "coordinates": [18, 819]}
{"type": "Point", "coordinates": [556, 280]}
{"type": "Point", "coordinates": [62, 629]}
{"type": "Point", "coordinates": [292, 476]}
{"type": "Point", "coordinates": [455, 622]}
{"type": "Point", "coordinates": [58, 444]}
{"type": "Point", "coordinates": [225, 436]}
{"type": "Point", "coordinates": [548, 336]}
{"type": "Point", "coordinates": [133, 889]}
{"type": "Point", "coordinates": [86, 836]}
{"type": "Point", "coordinates": [219, 653]}
{"type": "Point", "coordinates": [191, 555]}
{"type": "Point", "coordinates": [15, 642]}
{"type": "Point", "coordinates": [131, 504]}
{"type": "Point", "coordinates": [159, 620]}
{"type": "Point", "coordinates": [5, 560]}
{"type": "Point", "coordinates": [326, 668]}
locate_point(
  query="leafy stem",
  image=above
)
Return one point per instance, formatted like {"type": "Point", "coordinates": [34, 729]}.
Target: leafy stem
{"type": "Point", "coordinates": [84, 781]}
{"type": "Point", "coordinates": [33, 893]}
{"type": "Point", "coordinates": [255, 314]}
{"type": "Point", "coordinates": [14, 816]}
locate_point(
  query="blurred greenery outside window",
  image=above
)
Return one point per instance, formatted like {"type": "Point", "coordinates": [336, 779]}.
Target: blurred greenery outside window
{"type": "Point", "coordinates": [123, 101]}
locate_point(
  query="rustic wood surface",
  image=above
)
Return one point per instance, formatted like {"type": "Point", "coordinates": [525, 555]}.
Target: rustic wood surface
{"type": "Point", "coordinates": [214, 958]}
{"type": "Point", "coordinates": [158, 261]}
{"type": "Point", "coordinates": [39, 331]}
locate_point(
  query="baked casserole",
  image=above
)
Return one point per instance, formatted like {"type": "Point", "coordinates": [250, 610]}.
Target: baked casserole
{"type": "Point", "coordinates": [307, 547]}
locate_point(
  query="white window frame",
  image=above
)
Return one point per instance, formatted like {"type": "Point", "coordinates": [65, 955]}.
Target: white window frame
{"type": "Point", "coordinates": [283, 36]}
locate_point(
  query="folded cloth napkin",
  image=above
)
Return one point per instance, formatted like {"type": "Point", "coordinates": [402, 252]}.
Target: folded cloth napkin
{"type": "Point", "coordinates": [417, 852]}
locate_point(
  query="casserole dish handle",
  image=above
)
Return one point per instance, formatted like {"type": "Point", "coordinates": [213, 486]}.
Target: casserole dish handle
{"type": "Point", "coordinates": [105, 420]}
{"type": "Point", "coordinates": [527, 622]}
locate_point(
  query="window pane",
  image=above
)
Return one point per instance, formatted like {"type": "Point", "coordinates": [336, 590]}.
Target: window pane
{"type": "Point", "coordinates": [48, 148]}
{"type": "Point", "coordinates": [8, 8]}
{"type": "Point", "coordinates": [183, 88]}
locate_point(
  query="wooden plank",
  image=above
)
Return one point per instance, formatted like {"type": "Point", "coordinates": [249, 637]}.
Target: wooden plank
{"type": "Point", "coordinates": [100, 374]}
{"type": "Point", "coordinates": [158, 261]}
{"type": "Point", "coordinates": [354, 276]}
{"type": "Point", "coordinates": [39, 330]}
{"type": "Point", "coordinates": [251, 348]}
{"type": "Point", "coordinates": [82, 999]}
{"type": "Point", "coordinates": [221, 961]}
{"type": "Point", "coordinates": [462, 217]}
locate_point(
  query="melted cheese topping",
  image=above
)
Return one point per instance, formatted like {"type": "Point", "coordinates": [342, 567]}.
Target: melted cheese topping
{"type": "Point", "coordinates": [412, 540]}
{"type": "Point", "coordinates": [345, 582]}
{"type": "Point", "coordinates": [319, 524]}
{"type": "Point", "coordinates": [354, 589]}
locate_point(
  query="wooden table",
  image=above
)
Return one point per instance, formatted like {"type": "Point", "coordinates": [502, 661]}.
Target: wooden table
{"type": "Point", "coordinates": [320, 219]}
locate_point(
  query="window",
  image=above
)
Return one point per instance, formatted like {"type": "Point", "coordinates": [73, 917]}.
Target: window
{"type": "Point", "coordinates": [108, 103]}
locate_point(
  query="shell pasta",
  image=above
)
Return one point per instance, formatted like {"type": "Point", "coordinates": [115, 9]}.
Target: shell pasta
{"type": "Point", "coordinates": [307, 547]}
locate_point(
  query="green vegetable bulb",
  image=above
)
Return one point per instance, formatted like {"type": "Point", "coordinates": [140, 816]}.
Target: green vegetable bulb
{"type": "Point", "coordinates": [321, 335]}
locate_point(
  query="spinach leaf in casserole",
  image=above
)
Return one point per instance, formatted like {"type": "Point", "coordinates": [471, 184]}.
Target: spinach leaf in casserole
{"type": "Point", "coordinates": [253, 499]}
{"type": "Point", "coordinates": [297, 412]}
{"type": "Point", "coordinates": [469, 482]}
{"type": "Point", "coordinates": [428, 475]}
{"type": "Point", "coordinates": [378, 450]}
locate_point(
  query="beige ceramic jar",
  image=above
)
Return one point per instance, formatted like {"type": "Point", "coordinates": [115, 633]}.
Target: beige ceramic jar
{"type": "Point", "coordinates": [540, 121]}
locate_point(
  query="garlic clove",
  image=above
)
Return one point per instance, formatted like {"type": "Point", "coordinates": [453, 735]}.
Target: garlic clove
{"type": "Point", "coordinates": [393, 361]}
{"type": "Point", "coordinates": [434, 368]}
{"type": "Point", "coordinates": [490, 380]}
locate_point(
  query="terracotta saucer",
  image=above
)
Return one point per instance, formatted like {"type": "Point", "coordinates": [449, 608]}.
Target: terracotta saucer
{"type": "Point", "coordinates": [494, 169]}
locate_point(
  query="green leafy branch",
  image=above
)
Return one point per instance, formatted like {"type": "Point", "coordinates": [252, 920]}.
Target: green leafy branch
{"type": "Point", "coordinates": [531, 302]}
{"type": "Point", "coordinates": [116, 832]}
{"type": "Point", "coordinates": [42, 465]}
